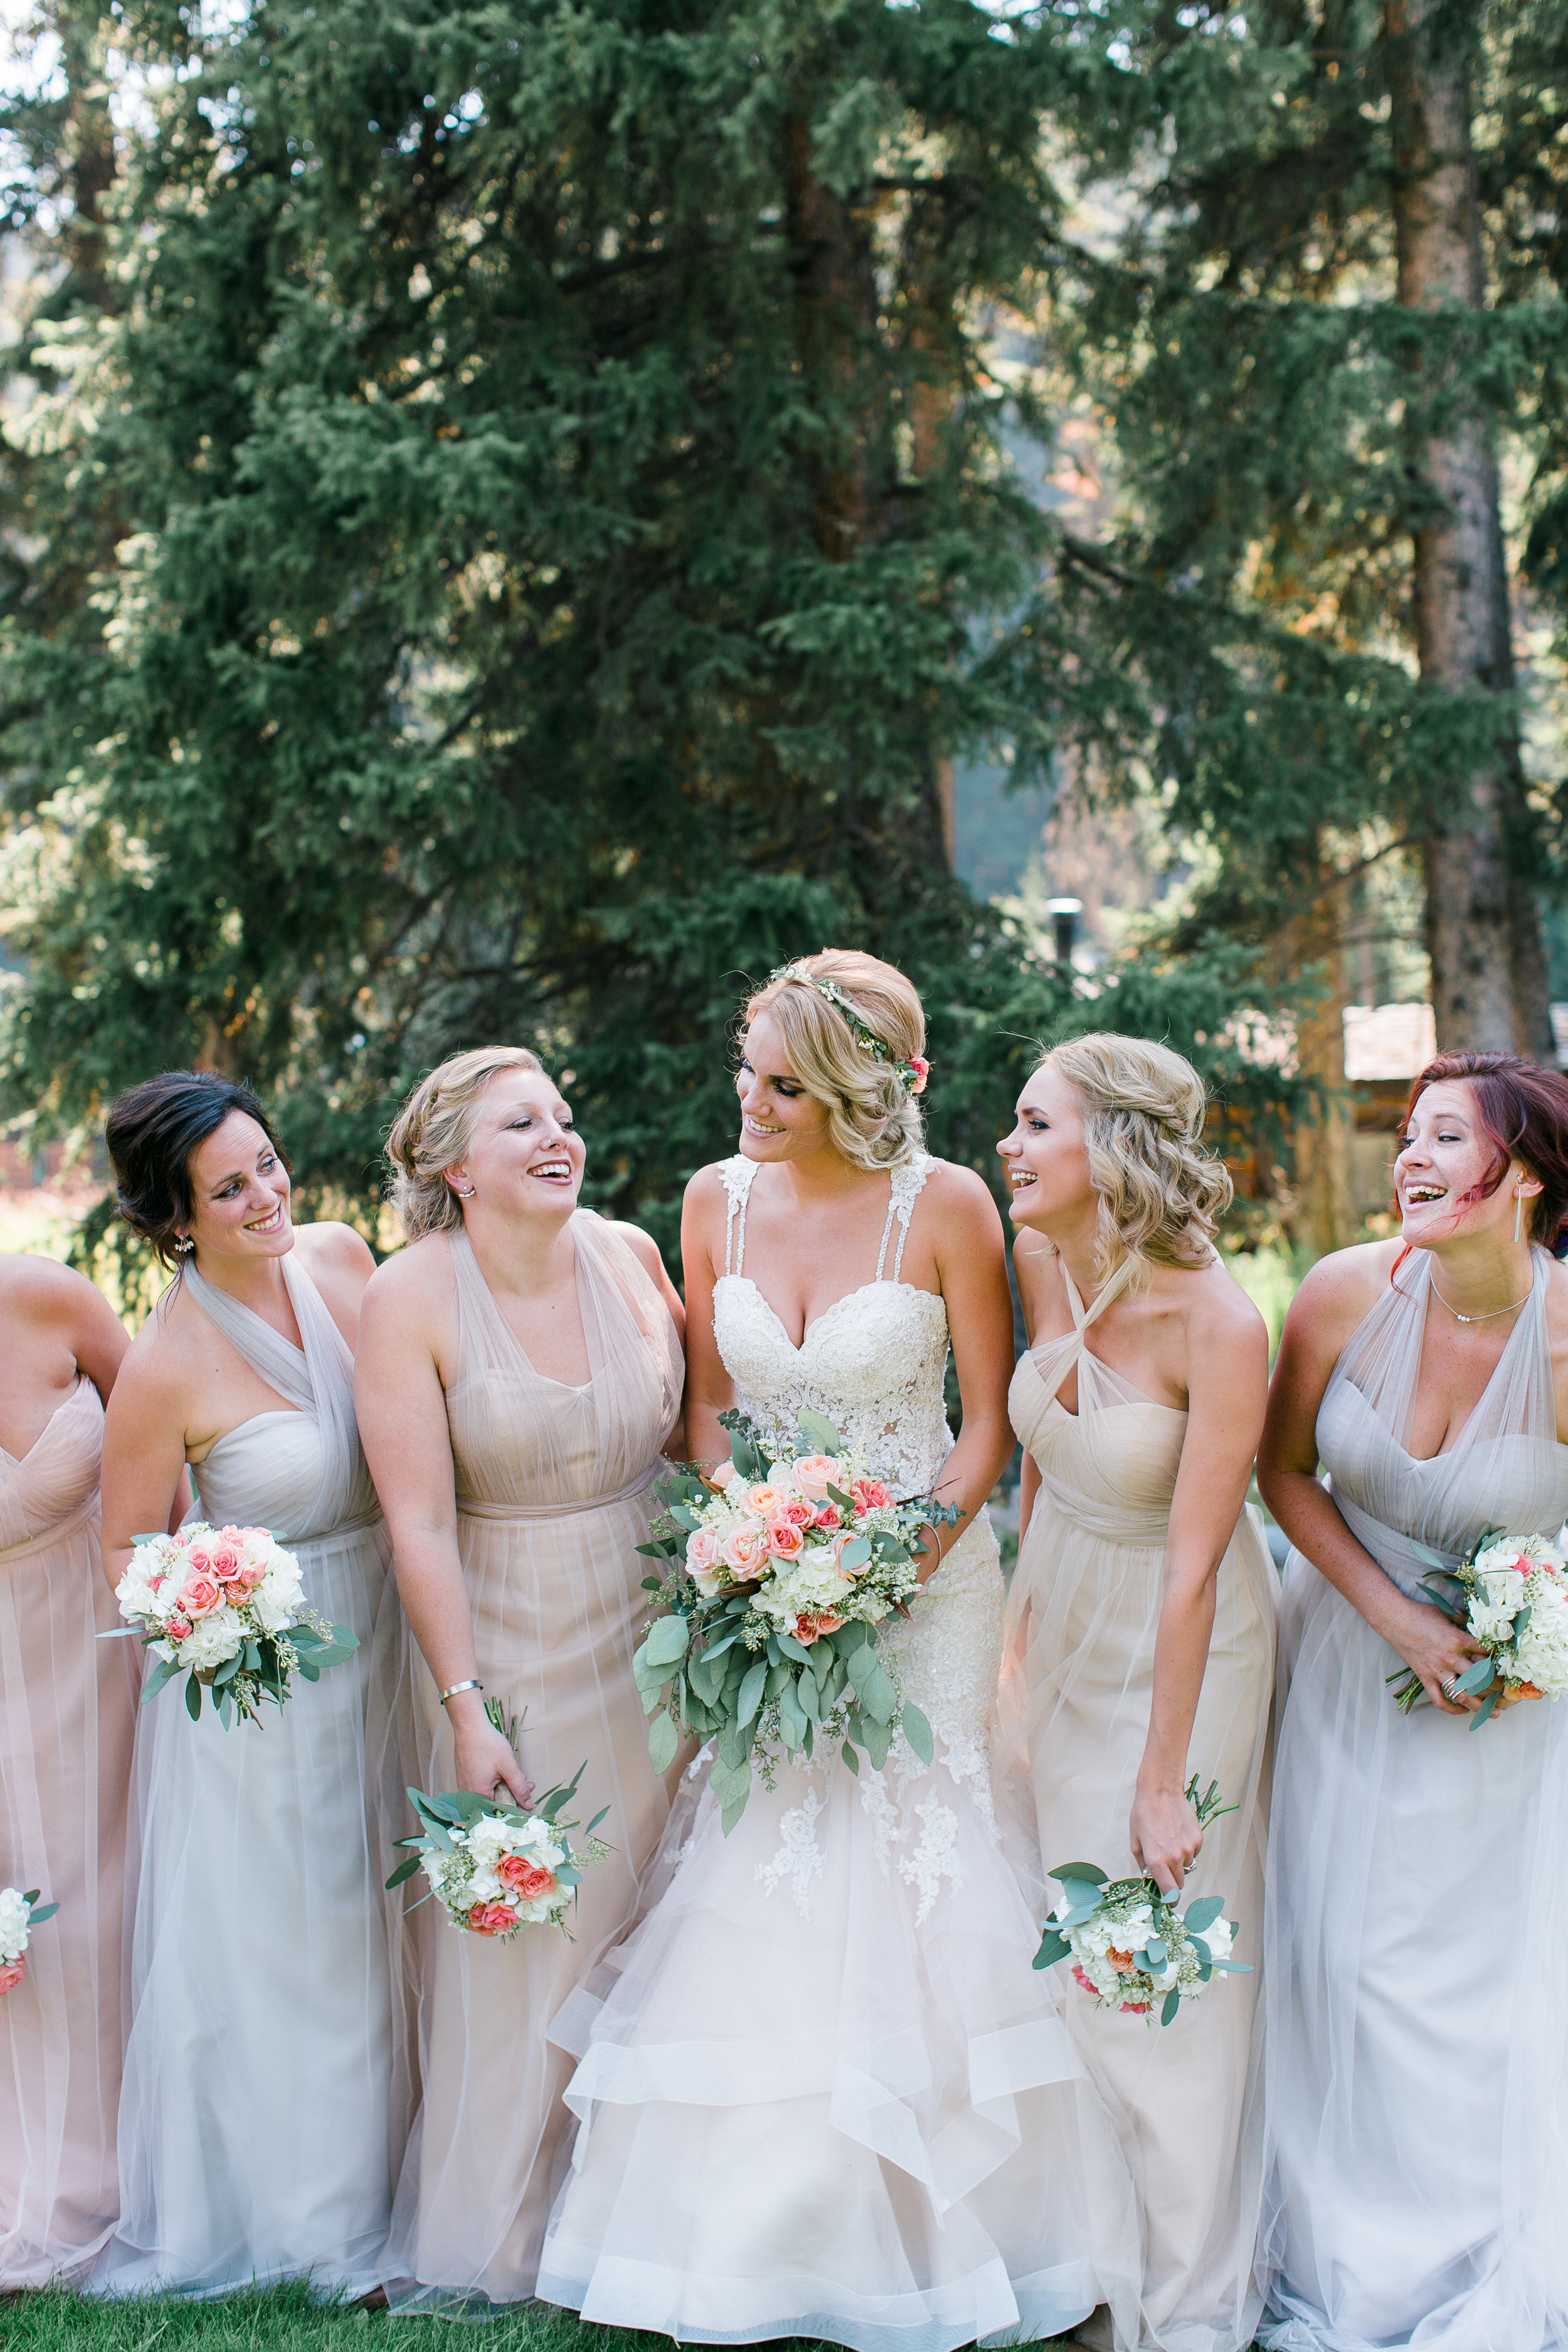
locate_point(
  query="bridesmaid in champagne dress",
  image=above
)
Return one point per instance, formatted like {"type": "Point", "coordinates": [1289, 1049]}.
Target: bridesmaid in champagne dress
{"type": "Point", "coordinates": [67, 1709]}
{"type": "Point", "coordinates": [519, 1368]}
{"type": "Point", "coordinates": [1140, 1623]}
{"type": "Point", "coordinates": [1417, 2107]}
{"type": "Point", "coordinates": [261, 2116]}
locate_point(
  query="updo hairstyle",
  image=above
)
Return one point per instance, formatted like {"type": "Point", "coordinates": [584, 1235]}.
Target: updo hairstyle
{"type": "Point", "coordinates": [1522, 1109]}
{"type": "Point", "coordinates": [872, 1117]}
{"type": "Point", "coordinates": [152, 1130]}
{"type": "Point", "coordinates": [434, 1129]}
{"type": "Point", "coordinates": [1161, 1197]}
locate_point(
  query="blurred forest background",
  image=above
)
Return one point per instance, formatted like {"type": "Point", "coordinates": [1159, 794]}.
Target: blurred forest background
{"type": "Point", "coordinates": [518, 516]}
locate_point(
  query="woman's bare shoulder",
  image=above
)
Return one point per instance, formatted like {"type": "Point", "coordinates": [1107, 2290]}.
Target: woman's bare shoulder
{"type": "Point", "coordinates": [419, 1274]}
{"type": "Point", "coordinates": [1340, 1289]}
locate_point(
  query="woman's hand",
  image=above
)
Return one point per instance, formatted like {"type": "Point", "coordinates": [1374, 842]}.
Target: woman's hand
{"type": "Point", "coordinates": [485, 1760]}
{"type": "Point", "coordinates": [1165, 1836]}
{"type": "Point", "coordinates": [1435, 1649]}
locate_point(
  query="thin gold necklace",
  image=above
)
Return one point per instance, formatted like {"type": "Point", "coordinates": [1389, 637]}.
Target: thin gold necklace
{"type": "Point", "coordinates": [1491, 1314]}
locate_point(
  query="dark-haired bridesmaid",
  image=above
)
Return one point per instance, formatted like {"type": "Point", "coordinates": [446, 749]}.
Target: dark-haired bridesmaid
{"type": "Point", "coordinates": [1417, 2031]}
{"type": "Point", "coordinates": [259, 2126]}
{"type": "Point", "coordinates": [67, 1708]}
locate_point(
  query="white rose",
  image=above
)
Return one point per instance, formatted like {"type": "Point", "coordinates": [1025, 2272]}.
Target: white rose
{"type": "Point", "coordinates": [1219, 1936]}
{"type": "Point", "coordinates": [14, 1915]}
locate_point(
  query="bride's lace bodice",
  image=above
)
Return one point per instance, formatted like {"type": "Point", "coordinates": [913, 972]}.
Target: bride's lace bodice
{"type": "Point", "coordinates": [874, 1363]}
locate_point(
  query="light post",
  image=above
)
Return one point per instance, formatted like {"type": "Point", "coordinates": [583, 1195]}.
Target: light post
{"type": "Point", "coordinates": [1064, 914]}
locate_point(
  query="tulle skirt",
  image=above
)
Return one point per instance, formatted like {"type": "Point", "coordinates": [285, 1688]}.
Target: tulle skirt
{"type": "Point", "coordinates": [822, 2091]}
{"type": "Point", "coordinates": [1417, 2082]}
{"type": "Point", "coordinates": [67, 1712]}
{"type": "Point", "coordinates": [259, 2123]}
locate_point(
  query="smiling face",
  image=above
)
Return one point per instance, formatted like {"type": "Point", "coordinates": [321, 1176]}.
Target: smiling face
{"type": "Point", "coordinates": [525, 1154]}
{"type": "Point", "coordinates": [779, 1120]}
{"type": "Point", "coordinates": [1046, 1156]}
{"type": "Point", "coordinates": [1445, 1156]}
{"type": "Point", "coordinates": [239, 1193]}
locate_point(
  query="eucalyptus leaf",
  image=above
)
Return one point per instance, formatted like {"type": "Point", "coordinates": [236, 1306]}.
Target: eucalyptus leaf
{"type": "Point", "coordinates": [405, 1870]}
{"type": "Point", "coordinates": [38, 1912]}
{"type": "Point", "coordinates": [1084, 1870]}
{"type": "Point", "coordinates": [663, 1741]}
{"type": "Point", "coordinates": [752, 1690]}
{"type": "Point", "coordinates": [1203, 1913]}
{"type": "Point", "coordinates": [1170, 2006]}
{"type": "Point", "coordinates": [848, 1752]}
{"type": "Point", "coordinates": [918, 1732]}
{"type": "Point", "coordinates": [667, 1640]}
{"type": "Point", "coordinates": [1054, 1946]}
{"type": "Point", "coordinates": [818, 1434]}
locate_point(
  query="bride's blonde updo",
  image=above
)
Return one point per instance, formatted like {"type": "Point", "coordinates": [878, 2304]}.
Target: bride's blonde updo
{"type": "Point", "coordinates": [872, 1117]}
{"type": "Point", "coordinates": [434, 1129]}
{"type": "Point", "coordinates": [1160, 1195]}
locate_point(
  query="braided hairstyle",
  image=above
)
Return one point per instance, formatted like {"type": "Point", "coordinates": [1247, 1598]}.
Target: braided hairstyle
{"type": "Point", "coordinates": [1160, 1195]}
{"type": "Point", "coordinates": [433, 1131]}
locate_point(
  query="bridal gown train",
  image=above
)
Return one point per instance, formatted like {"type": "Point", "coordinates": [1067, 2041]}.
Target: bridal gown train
{"type": "Point", "coordinates": [67, 1712]}
{"type": "Point", "coordinates": [261, 2122]}
{"type": "Point", "coordinates": [553, 1498]}
{"type": "Point", "coordinates": [823, 2091]}
{"type": "Point", "coordinates": [1417, 2083]}
{"type": "Point", "coordinates": [1082, 1618]}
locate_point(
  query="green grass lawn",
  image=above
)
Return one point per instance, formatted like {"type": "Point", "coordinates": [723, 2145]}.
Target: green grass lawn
{"type": "Point", "coordinates": [285, 2319]}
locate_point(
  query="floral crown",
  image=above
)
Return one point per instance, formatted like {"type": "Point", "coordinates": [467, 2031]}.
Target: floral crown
{"type": "Point", "coordinates": [913, 1073]}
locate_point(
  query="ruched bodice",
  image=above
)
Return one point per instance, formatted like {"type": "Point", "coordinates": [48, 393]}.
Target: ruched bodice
{"type": "Point", "coordinates": [522, 1442]}
{"type": "Point", "coordinates": [267, 1474]}
{"type": "Point", "coordinates": [56, 1478]}
{"type": "Point", "coordinates": [874, 1363]}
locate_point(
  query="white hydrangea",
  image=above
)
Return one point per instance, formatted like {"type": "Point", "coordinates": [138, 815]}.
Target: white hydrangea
{"type": "Point", "coordinates": [1541, 1655]}
{"type": "Point", "coordinates": [14, 1917]}
{"type": "Point", "coordinates": [213, 1641]}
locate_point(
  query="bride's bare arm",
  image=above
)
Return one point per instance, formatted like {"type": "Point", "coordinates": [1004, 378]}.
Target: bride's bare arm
{"type": "Point", "coordinates": [401, 1408]}
{"type": "Point", "coordinates": [709, 1391]}
{"type": "Point", "coordinates": [971, 1269]}
{"type": "Point", "coordinates": [1335, 1297]}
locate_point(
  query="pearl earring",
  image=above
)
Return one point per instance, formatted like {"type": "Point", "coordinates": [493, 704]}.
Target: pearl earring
{"type": "Point", "coordinates": [461, 1194]}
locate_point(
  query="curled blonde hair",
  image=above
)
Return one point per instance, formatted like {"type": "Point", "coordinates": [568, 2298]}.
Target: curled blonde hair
{"type": "Point", "coordinates": [1161, 1196]}
{"type": "Point", "coordinates": [872, 1117]}
{"type": "Point", "coordinates": [434, 1129]}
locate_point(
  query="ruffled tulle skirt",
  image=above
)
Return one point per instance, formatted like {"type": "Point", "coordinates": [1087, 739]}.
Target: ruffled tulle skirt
{"type": "Point", "coordinates": [821, 2090]}
{"type": "Point", "coordinates": [1417, 2030]}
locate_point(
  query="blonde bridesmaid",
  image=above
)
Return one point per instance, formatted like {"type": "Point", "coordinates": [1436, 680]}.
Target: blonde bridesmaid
{"type": "Point", "coordinates": [67, 1708]}
{"type": "Point", "coordinates": [1141, 1621]}
{"type": "Point", "coordinates": [520, 1369]}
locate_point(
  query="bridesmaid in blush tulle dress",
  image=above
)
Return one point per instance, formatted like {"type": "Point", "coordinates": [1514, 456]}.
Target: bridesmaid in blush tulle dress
{"type": "Point", "coordinates": [1141, 1625]}
{"type": "Point", "coordinates": [262, 2113]}
{"type": "Point", "coordinates": [520, 1369]}
{"type": "Point", "coordinates": [67, 1708]}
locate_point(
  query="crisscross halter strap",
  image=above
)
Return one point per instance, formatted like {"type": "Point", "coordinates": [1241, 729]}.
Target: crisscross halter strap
{"type": "Point", "coordinates": [1067, 1347]}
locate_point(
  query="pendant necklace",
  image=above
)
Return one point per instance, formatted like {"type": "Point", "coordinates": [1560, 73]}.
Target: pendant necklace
{"type": "Point", "coordinates": [1491, 1313]}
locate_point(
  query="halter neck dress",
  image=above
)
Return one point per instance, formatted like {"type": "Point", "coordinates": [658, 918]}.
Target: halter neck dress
{"type": "Point", "coordinates": [67, 1711]}
{"type": "Point", "coordinates": [259, 2120]}
{"type": "Point", "coordinates": [823, 2091]}
{"type": "Point", "coordinates": [1417, 2086]}
{"type": "Point", "coordinates": [554, 1494]}
{"type": "Point", "coordinates": [1081, 1621]}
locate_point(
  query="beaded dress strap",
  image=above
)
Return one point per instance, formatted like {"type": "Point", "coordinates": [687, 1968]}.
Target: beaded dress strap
{"type": "Point", "coordinates": [908, 1183]}
{"type": "Point", "coordinates": [736, 1175]}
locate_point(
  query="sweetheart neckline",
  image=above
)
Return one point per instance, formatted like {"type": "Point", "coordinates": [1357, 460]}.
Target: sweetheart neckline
{"type": "Point", "coordinates": [797, 1348]}
{"type": "Point", "coordinates": [20, 1461]}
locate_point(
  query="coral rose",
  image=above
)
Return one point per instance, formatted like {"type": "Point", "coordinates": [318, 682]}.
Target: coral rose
{"type": "Point", "coordinates": [813, 1623]}
{"type": "Point", "coordinates": [745, 1553]}
{"type": "Point", "coordinates": [529, 1878]}
{"type": "Point", "coordinates": [870, 1494]}
{"type": "Point", "coordinates": [11, 1974]}
{"type": "Point", "coordinates": [799, 1513]}
{"type": "Point", "coordinates": [828, 1516]}
{"type": "Point", "coordinates": [178, 1629]}
{"type": "Point", "coordinates": [200, 1595]}
{"type": "Point", "coordinates": [491, 1919]}
{"type": "Point", "coordinates": [226, 1561]}
{"type": "Point", "coordinates": [785, 1540]}
{"type": "Point", "coordinates": [815, 1472]}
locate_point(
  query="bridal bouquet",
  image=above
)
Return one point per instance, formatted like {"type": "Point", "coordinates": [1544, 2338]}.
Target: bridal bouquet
{"type": "Point", "coordinates": [1510, 1595]}
{"type": "Point", "coordinates": [1130, 1948]}
{"type": "Point", "coordinates": [19, 1914]}
{"type": "Point", "coordinates": [782, 1565]}
{"type": "Point", "coordinates": [227, 1604]}
{"type": "Point", "coordinates": [496, 1868]}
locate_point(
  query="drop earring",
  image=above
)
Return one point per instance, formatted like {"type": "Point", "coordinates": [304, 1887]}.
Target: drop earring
{"type": "Point", "coordinates": [1517, 1214]}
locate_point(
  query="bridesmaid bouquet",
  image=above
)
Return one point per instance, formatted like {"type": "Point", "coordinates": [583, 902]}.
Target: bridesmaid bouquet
{"type": "Point", "coordinates": [783, 1563]}
{"type": "Point", "coordinates": [1510, 1595]}
{"type": "Point", "coordinates": [227, 1605]}
{"type": "Point", "coordinates": [495, 1869]}
{"type": "Point", "coordinates": [1130, 1948]}
{"type": "Point", "coordinates": [19, 1915]}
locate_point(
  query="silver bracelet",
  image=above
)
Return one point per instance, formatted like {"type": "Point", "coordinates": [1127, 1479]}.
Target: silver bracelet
{"type": "Point", "coordinates": [453, 1689]}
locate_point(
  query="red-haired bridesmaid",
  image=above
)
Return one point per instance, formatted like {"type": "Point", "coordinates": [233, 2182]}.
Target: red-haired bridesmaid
{"type": "Point", "coordinates": [68, 1707]}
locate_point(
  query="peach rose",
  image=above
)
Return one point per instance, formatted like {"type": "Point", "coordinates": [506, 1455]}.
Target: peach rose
{"type": "Point", "coordinates": [799, 1513]}
{"type": "Point", "coordinates": [200, 1595]}
{"type": "Point", "coordinates": [870, 1494]}
{"type": "Point", "coordinates": [529, 1878]}
{"type": "Point", "coordinates": [227, 1562]}
{"type": "Point", "coordinates": [815, 1472]}
{"type": "Point", "coordinates": [250, 1577]}
{"type": "Point", "coordinates": [491, 1919]}
{"type": "Point", "coordinates": [720, 1475]}
{"type": "Point", "coordinates": [703, 1548]}
{"type": "Point", "coordinates": [762, 1502]}
{"type": "Point", "coordinates": [785, 1540]}
{"type": "Point", "coordinates": [11, 1975]}
{"type": "Point", "coordinates": [812, 1624]}
{"type": "Point", "coordinates": [745, 1553]}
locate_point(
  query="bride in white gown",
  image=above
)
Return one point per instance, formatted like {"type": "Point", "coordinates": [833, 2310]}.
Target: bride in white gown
{"type": "Point", "coordinates": [822, 2092]}
{"type": "Point", "coordinates": [1417, 2031]}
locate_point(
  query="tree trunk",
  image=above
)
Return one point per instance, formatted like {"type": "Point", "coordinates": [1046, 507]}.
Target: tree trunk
{"type": "Point", "coordinates": [1483, 929]}
{"type": "Point", "coordinates": [1325, 1214]}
